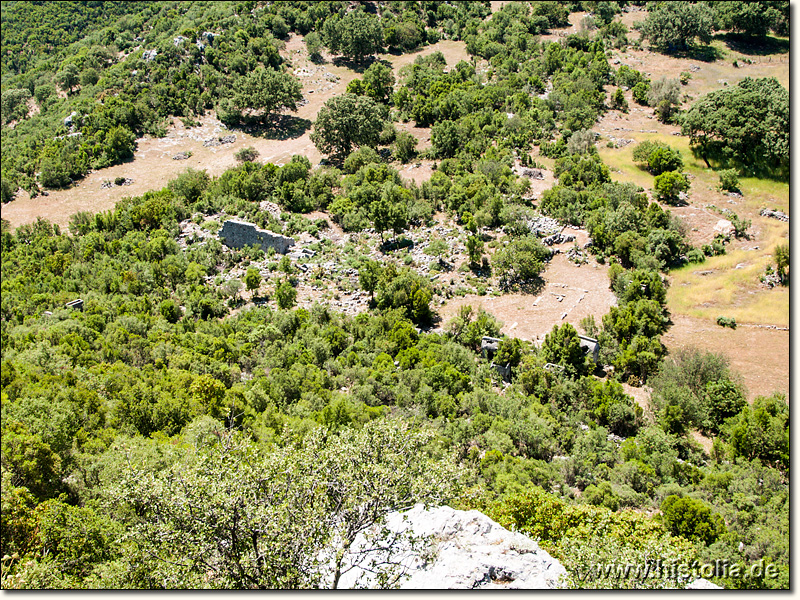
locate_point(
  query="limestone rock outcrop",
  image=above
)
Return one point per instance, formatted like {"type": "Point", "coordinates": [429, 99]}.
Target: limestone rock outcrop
{"type": "Point", "coordinates": [462, 550]}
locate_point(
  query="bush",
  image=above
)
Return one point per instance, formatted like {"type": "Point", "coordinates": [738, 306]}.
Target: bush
{"type": "Point", "coordinates": [669, 185]}
{"type": "Point", "coordinates": [658, 157]}
{"type": "Point", "coordinates": [664, 96]}
{"type": "Point", "coordinates": [729, 180]}
{"type": "Point", "coordinates": [726, 322]}
{"type": "Point", "coordinates": [618, 101]}
{"type": "Point", "coordinates": [692, 519]}
{"type": "Point", "coordinates": [285, 294]}
{"type": "Point", "coordinates": [640, 92]}
{"type": "Point", "coordinates": [248, 154]}
{"type": "Point", "coordinates": [405, 146]}
{"type": "Point", "coordinates": [170, 311]}
{"type": "Point", "coordinates": [581, 142]}
{"type": "Point", "coordinates": [522, 260]}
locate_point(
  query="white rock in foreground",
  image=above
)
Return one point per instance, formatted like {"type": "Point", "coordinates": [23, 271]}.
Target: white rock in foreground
{"type": "Point", "coordinates": [464, 550]}
{"type": "Point", "coordinates": [703, 584]}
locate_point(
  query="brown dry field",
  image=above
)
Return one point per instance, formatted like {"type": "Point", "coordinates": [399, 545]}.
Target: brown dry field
{"type": "Point", "coordinates": [760, 355]}
{"type": "Point", "coordinates": [583, 291]}
{"type": "Point", "coordinates": [152, 166]}
{"type": "Point", "coordinates": [728, 283]}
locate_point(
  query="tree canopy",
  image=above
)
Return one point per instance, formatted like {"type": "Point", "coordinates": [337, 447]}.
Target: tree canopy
{"type": "Point", "coordinates": [346, 121]}
{"type": "Point", "coordinates": [673, 26]}
{"type": "Point", "coordinates": [747, 124]}
{"type": "Point", "coordinates": [356, 35]}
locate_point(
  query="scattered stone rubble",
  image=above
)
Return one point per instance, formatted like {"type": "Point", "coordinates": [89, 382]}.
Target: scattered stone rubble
{"type": "Point", "coordinates": [774, 214]}
{"type": "Point", "coordinates": [182, 156]}
{"type": "Point", "coordinates": [219, 141]}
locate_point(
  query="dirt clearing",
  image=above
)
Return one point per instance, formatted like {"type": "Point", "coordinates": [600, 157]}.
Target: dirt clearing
{"type": "Point", "coordinates": [760, 355]}
{"type": "Point", "coordinates": [570, 294]}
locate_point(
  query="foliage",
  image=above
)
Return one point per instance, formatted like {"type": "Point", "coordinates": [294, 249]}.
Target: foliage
{"type": "Point", "coordinates": [751, 18]}
{"type": "Point", "coordinates": [729, 180]}
{"type": "Point", "coordinates": [356, 35]}
{"type": "Point", "coordinates": [346, 121]}
{"type": "Point", "coordinates": [664, 95]}
{"type": "Point", "coordinates": [334, 487]}
{"type": "Point", "coordinates": [261, 91]}
{"type": "Point", "coordinates": [781, 255]}
{"type": "Point", "coordinates": [672, 27]}
{"type": "Point", "coordinates": [563, 347]}
{"type": "Point", "coordinates": [248, 154]}
{"type": "Point", "coordinates": [669, 185]}
{"type": "Point", "coordinates": [747, 124]}
{"type": "Point", "coordinates": [691, 519]}
{"type": "Point", "coordinates": [726, 322]}
{"type": "Point", "coordinates": [522, 260]}
{"type": "Point", "coordinates": [658, 157]}
{"type": "Point", "coordinates": [405, 146]}
{"type": "Point", "coordinates": [285, 294]}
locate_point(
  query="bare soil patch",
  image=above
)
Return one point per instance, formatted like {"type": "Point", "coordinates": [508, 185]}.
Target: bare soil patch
{"type": "Point", "coordinates": [152, 166]}
{"type": "Point", "coordinates": [760, 355]}
{"type": "Point", "coordinates": [570, 294]}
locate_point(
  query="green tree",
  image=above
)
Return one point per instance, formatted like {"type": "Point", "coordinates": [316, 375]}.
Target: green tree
{"type": "Point", "coordinates": [405, 146]}
{"type": "Point", "coordinates": [369, 275]}
{"type": "Point", "coordinates": [761, 432]}
{"type": "Point", "coordinates": [355, 36]}
{"type": "Point", "coordinates": [673, 26]}
{"type": "Point", "coordinates": [474, 249]}
{"type": "Point", "coordinates": [170, 311]}
{"type": "Point", "coordinates": [390, 212]}
{"type": "Point", "coordinates": [282, 519]}
{"type": "Point", "coordinates": [721, 400]}
{"type": "Point", "coordinates": [264, 91]}
{"type": "Point", "coordinates": [209, 393]}
{"type": "Point", "coordinates": [618, 101]}
{"type": "Point", "coordinates": [692, 519]}
{"type": "Point", "coordinates": [30, 460]}
{"type": "Point", "coordinates": [313, 45]}
{"type": "Point", "coordinates": [379, 82]}
{"type": "Point", "coordinates": [346, 121]}
{"type": "Point", "coordinates": [285, 294]}
{"type": "Point", "coordinates": [521, 261]}
{"type": "Point", "coordinates": [747, 123]}
{"type": "Point", "coordinates": [67, 78]}
{"type": "Point", "coordinates": [669, 185]}
{"type": "Point", "coordinates": [14, 104]}
{"type": "Point", "coordinates": [446, 138]}
{"type": "Point", "coordinates": [658, 157]}
{"type": "Point", "coordinates": [750, 18]}
{"type": "Point", "coordinates": [252, 279]}
{"type": "Point", "coordinates": [562, 346]}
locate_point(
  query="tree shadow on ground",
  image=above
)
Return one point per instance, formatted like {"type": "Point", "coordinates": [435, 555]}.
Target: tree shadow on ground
{"type": "Point", "coordinates": [754, 46]}
{"type": "Point", "coordinates": [531, 286]}
{"type": "Point", "coordinates": [707, 53]}
{"type": "Point", "coordinates": [279, 127]}
{"type": "Point", "coordinates": [359, 66]}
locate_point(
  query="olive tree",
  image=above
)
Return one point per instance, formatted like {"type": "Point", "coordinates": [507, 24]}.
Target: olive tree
{"type": "Point", "coordinates": [233, 517]}
{"type": "Point", "coordinates": [346, 121]}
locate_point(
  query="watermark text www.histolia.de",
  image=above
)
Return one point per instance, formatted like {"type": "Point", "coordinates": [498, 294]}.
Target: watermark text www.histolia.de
{"type": "Point", "coordinates": [676, 571]}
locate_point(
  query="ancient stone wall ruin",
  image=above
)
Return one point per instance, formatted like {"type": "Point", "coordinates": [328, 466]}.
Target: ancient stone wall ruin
{"type": "Point", "coordinates": [238, 234]}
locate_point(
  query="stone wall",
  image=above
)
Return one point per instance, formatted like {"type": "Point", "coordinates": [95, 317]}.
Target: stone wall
{"type": "Point", "coordinates": [238, 234]}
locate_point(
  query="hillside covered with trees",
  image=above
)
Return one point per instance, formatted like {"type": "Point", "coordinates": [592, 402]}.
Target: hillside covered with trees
{"type": "Point", "coordinates": [192, 424]}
